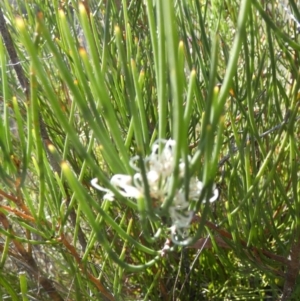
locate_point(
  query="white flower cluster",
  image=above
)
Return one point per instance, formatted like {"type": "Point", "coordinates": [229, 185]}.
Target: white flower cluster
{"type": "Point", "coordinates": [159, 166]}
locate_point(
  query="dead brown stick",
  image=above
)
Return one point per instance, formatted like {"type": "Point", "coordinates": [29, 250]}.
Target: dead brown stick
{"type": "Point", "coordinates": [29, 260]}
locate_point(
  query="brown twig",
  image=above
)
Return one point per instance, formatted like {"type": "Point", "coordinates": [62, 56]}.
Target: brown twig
{"type": "Point", "coordinates": [17, 200]}
{"type": "Point", "coordinates": [43, 128]}
{"type": "Point", "coordinates": [29, 260]}
{"type": "Point", "coordinates": [13, 54]}
{"type": "Point", "coordinates": [292, 270]}
{"type": "Point", "coordinates": [8, 196]}
{"type": "Point", "coordinates": [27, 255]}
{"type": "Point", "coordinates": [96, 281]}
{"type": "Point", "coordinates": [269, 254]}
{"type": "Point", "coordinates": [24, 83]}
{"type": "Point", "coordinates": [224, 233]}
{"type": "Point", "coordinates": [18, 213]}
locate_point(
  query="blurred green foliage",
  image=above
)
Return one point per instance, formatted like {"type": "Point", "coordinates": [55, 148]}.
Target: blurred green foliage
{"type": "Point", "coordinates": [85, 86]}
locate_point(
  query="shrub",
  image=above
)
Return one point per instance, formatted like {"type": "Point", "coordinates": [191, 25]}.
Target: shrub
{"type": "Point", "coordinates": [149, 150]}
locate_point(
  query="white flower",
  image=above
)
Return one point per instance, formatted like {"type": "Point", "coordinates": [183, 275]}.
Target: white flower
{"type": "Point", "coordinates": [123, 183]}
{"type": "Point", "coordinates": [179, 213]}
{"type": "Point", "coordinates": [196, 187]}
{"type": "Point", "coordinates": [159, 167]}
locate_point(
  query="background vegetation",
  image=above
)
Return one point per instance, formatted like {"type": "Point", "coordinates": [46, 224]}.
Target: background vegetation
{"type": "Point", "coordinates": [87, 85]}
